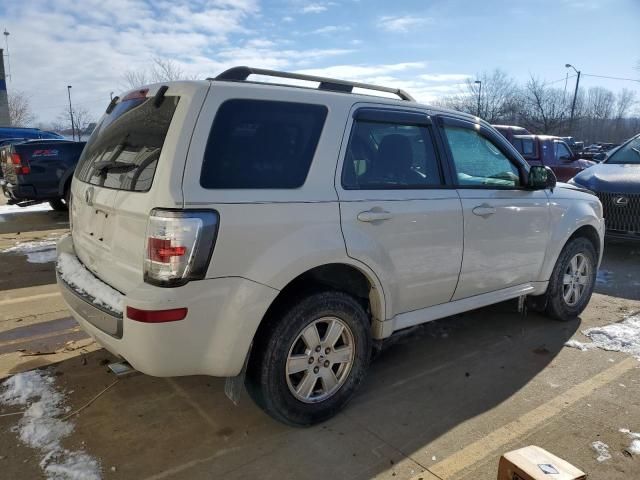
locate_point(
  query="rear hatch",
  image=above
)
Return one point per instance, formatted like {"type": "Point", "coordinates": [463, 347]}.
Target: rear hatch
{"type": "Point", "coordinates": [132, 163]}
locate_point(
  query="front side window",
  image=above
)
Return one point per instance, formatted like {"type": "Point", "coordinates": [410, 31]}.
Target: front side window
{"type": "Point", "coordinates": [390, 156]}
{"type": "Point", "coordinates": [261, 144]}
{"type": "Point", "coordinates": [478, 161]}
{"type": "Point", "coordinates": [627, 153]}
{"type": "Point", "coordinates": [562, 151]}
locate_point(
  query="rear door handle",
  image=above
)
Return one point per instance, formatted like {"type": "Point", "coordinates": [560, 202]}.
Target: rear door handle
{"type": "Point", "coordinates": [374, 215]}
{"type": "Point", "coordinates": [484, 210]}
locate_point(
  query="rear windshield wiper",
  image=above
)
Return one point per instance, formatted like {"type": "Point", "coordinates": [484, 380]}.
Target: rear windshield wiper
{"type": "Point", "coordinates": [115, 167]}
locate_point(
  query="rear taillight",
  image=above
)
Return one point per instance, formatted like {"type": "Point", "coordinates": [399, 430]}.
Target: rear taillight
{"type": "Point", "coordinates": [179, 245]}
{"type": "Point", "coordinates": [20, 167]}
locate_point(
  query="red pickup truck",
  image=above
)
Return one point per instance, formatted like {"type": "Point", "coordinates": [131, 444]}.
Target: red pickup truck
{"type": "Point", "coordinates": [552, 152]}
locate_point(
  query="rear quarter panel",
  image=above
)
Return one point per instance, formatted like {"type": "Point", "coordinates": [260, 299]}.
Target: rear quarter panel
{"type": "Point", "coordinates": [271, 236]}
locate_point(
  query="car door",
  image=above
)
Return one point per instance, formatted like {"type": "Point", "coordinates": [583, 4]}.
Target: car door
{"type": "Point", "coordinates": [506, 226]}
{"type": "Point", "coordinates": [565, 165]}
{"type": "Point", "coordinates": [398, 216]}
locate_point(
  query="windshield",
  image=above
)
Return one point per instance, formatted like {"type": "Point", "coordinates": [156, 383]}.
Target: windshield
{"type": "Point", "coordinates": [124, 149]}
{"type": "Point", "coordinates": [627, 153]}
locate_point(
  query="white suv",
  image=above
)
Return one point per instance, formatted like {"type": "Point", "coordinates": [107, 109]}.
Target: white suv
{"type": "Point", "coordinates": [227, 226]}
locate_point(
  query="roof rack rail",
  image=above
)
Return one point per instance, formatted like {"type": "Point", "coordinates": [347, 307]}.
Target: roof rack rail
{"type": "Point", "coordinates": [240, 74]}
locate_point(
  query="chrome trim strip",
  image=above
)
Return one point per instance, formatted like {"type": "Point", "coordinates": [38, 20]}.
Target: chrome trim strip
{"type": "Point", "coordinates": [83, 305]}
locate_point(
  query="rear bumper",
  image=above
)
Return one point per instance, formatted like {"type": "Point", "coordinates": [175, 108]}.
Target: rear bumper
{"type": "Point", "coordinates": [16, 192]}
{"type": "Point", "coordinates": [213, 339]}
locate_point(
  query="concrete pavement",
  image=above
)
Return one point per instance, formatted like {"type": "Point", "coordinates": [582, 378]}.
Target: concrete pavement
{"type": "Point", "coordinates": [442, 401]}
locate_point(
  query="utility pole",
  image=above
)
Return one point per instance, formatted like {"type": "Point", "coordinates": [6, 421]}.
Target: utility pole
{"type": "Point", "coordinates": [73, 128]}
{"type": "Point", "coordinates": [479, 95]}
{"type": "Point", "coordinates": [6, 43]}
{"type": "Point", "coordinates": [575, 93]}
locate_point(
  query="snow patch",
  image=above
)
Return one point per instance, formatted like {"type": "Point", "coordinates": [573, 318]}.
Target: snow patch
{"type": "Point", "coordinates": [579, 345]}
{"type": "Point", "coordinates": [634, 447]}
{"type": "Point", "coordinates": [40, 427]}
{"type": "Point", "coordinates": [602, 449]}
{"type": "Point", "coordinates": [8, 209]}
{"type": "Point", "coordinates": [37, 251]}
{"type": "Point", "coordinates": [81, 279]}
{"type": "Point", "coordinates": [623, 337]}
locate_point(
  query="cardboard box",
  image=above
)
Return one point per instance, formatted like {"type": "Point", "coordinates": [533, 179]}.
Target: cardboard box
{"type": "Point", "coordinates": [535, 463]}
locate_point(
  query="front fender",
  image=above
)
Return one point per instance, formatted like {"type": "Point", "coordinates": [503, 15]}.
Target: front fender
{"type": "Point", "coordinates": [570, 210]}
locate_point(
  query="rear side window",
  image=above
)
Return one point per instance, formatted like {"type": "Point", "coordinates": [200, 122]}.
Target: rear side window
{"type": "Point", "coordinates": [261, 144]}
{"type": "Point", "coordinates": [390, 156]}
{"type": "Point", "coordinates": [124, 149]}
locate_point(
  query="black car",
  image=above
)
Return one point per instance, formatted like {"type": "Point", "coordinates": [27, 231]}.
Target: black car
{"type": "Point", "coordinates": [616, 181]}
{"type": "Point", "coordinates": [39, 171]}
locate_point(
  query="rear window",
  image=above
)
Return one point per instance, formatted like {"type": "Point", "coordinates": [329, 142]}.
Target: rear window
{"type": "Point", "coordinates": [526, 146]}
{"type": "Point", "coordinates": [124, 148]}
{"type": "Point", "coordinates": [261, 144]}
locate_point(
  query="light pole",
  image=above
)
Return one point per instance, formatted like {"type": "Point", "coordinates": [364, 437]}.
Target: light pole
{"type": "Point", "coordinates": [73, 128]}
{"type": "Point", "coordinates": [479, 82]}
{"type": "Point", "coordinates": [575, 93]}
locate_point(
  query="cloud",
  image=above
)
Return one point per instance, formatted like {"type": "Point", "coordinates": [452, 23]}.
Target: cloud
{"type": "Point", "coordinates": [314, 8]}
{"type": "Point", "coordinates": [355, 72]}
{"type": "Point", "coordinates": [424, 87]}
{"type": "Point", "coordinates": [402, 23]}
{"type": "Point", "coordinates": [331, 29]}
{"type": "Point", "coordinates": [95, 42]}
{"type": "Point", "coordinates": [445, 77]}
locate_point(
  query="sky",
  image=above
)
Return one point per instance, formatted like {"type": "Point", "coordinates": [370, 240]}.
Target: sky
{"type": "Point", "coordinates": [427, 47]}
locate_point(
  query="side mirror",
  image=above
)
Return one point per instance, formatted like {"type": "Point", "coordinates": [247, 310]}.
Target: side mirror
{"type": "Point", "coordinates": [566, 158]}
{"type": "Point", "coordinates": [541, 178]}
{"type": "Point", "coordinates": [600, 156]}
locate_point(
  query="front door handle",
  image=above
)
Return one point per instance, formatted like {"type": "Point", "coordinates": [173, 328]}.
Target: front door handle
{"type": "Point", "coordinates": [484, 210]}
{"type": "Point", "coordinates": [374, 215]}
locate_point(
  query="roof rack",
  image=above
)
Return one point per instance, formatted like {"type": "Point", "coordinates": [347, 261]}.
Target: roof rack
{"type": "Point", "coordinates": [240, 74]}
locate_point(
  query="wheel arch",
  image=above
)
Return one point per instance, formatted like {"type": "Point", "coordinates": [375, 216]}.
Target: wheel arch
{"type": "Point", "coordinates": [353, 279]}
{"type": "Point", "coordinates": [65, 181]}
{"type": "Point", "coordinates": [584, 230]}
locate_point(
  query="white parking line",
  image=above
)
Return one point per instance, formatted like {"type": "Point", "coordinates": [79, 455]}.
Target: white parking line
{"type": "Point", "coordinates": [31, 298]}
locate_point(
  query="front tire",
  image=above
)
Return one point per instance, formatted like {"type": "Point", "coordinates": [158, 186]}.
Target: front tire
{"type": "Point", "coordinates": [310, 361]}
{"type": "Point", "coordinates": [572, 281]}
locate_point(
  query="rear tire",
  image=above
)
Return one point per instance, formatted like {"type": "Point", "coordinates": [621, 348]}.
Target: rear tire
{"type": "Point", "coordinates": [61, 204]}
{"type": "Point", "coordinates": [310, 362]}
{"type": "Point", "coordinates": [572, 281]}
{"type": "Point", "coordinates": [58, 205]}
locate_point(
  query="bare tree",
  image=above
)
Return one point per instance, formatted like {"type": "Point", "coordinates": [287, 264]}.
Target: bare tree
{"type": "Point", "coordinates": [624, 101]}
{"type": "Point", "coordinates": [600, 103]}
{"type": "Point", "coordinates": [543, 109]}
{"type": "Point", "coordinates": [159, 70]}
{"type": "Point", "coordinates": [498, 97]}
{"type": "Point", "coordinates": [20, 113]}
{"type": "Point", "coordinates": [82, 119]}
